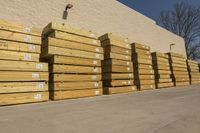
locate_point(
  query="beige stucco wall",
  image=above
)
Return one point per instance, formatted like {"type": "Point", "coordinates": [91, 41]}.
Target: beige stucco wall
{"type": "Point", "coordinates": [100, 16]}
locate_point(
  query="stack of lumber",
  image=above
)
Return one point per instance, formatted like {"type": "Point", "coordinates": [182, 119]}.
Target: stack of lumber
{"type": "Point", "coordinates": [74, 56]}
{"type": "Point", "coordinates": [162, 70]}
{"type": "Point", "coordinates": [193, 70]}
{"type": "Point", "coordinates": [23, 79]}
{"type": "Point", "coordinates": [178, 68]}
{"type": "Point", "coordinates": [143, 70]}
{"type": "Point", "coordinates": [117, 66]}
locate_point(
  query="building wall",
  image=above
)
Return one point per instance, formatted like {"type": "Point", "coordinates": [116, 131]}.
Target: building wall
{"type": "Point", "coordinates": [100, 16]}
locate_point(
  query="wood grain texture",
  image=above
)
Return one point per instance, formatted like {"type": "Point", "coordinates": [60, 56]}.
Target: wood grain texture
{"type": "Point", "coordinates": [117, 90]}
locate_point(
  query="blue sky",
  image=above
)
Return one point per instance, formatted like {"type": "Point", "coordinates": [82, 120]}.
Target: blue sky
{"type": "Point", "coordinates": [152, 8]}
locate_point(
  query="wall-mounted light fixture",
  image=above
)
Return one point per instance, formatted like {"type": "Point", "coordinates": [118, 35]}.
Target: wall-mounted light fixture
{"type": "Point", "coordinates": [173, 44]}
{"type": "Point", "coordinates": [65, 13]}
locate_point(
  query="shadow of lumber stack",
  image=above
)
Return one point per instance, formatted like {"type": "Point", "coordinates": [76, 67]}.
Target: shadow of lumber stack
{"type": "Point", "coordinates": [74, 56]}
{"type": "Point", "coordinates": [162, 70]}
{"type": "Point", "coordinates": [23, 79]}
{"type": "Point", "coordinates": [179, 70]}
{"type": "Point", "coordinates": [117, 66]}
{"type": "Point", "coordinates": [143, 71]}
{"type": "Point", "coordinates": [193, 70]}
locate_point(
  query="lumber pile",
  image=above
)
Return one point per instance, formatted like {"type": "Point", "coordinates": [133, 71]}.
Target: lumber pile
{"type": "Point", "coordinates": [143, 70]}
{"type": "Point", "coordinates": [178, 68]}
{"type": "Point", "coordinates": [23, 79]}
{"type": "Point", "coordinates": [162, 70]}
{"type": "Point", "coordinates": [117, 68]}
{"type": "Point", "coordinates": [193, 70]}
{"type": "Point", "coordinates": [74, 56]}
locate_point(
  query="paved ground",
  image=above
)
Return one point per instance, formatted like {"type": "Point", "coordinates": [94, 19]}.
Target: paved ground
{"type": "Point", "coordinates": [158, 111]}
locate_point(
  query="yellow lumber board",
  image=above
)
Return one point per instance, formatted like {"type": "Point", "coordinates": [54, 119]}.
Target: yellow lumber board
{"type": "Point", "coordinates": [113, 76]}
{"type": "Point", "coordinates": [160, 67]}
{"type": "Point", "coordinates": [115, 43]}
{"type": "Point", "coordinates": [164, 85]}
{"type": "Point", "coordinates": [173, 54]}
{"type": "Point", "coordinates": [62, 86]}
{"type": "Point", "coordinates": [178, 65]}
{"type": "Point", "coordinates": [17, 46]}
{"type": "Point", "coordinates": [23, 76]}
{"type": "Point", "coordinates": [144, 81]}
{"type": "Point", "coordinates": [117, 90]}
{"type": "Point", "coordinates": [21, 98]}
{"type": "Point", "coordinates": [16, 87]}
{"type": "Point", "coordinates": [116, 49]}
{"type": "Point", "coordinates": [55, 68]}
{"type": "Point", "coordinates": [74, 77]}
{"type": "Point", "coordinates": [144, 71]}
{"type": "Point", "coordinates": [18, 37]}
{"type": "Point", "coordinates": [159, 59]}
{"type": "Point", "coordinates": [114, 83]}
{"type": "Point", "coordinates": [71, 94]}
{"type": "Point", "coordinates": [21, 28]}
{"type": "Point", "coordinates": [141, 56]}
{"type": "Point", "coordinates": [163, 71]}
{"type": "Point", "coordinates": [160, 80]}
{"type": "Point", "coordinates": [74, 61]}
{"type": "Point", "coordinates": [195, 82]}
{"type": "Point", "coordinates": [160, 55]}
{"type": "Point", "coordinates": [182, 83]}
{"type": "Point", "coordinates": [112, 36]}
{"type": "Point", "coordinates": [18, 56]}
{"type": "Point", "coordinates": [117, 56]}
{"type": "Point", "coordinates": [192, 62]}
{"type": "Point", "coordinates": [143, 66]}
{"type": "Point", "coordinates": [75, 38]}
{"type": "Point", "coordinates": [51, 50]}
{"type": "Point", "coordinates": [176, 59]}
{"type": "Point", "coordinates": [142, 61]}
{"type": "Point", "coordinates": [69, 29]}
{"type": "Point", "coordinates": [71, 45]}
{"type": "Point", "coordinates": [116, 62]}
{"type": "Point", "coordinates": [141, 51]}
{"type": "Point", "coordinates": [111, 68]}
{"type": "Point", "coordinates": [143, 77]}
{"type": "Point", "coordinates": [145, 87]}
{"type": "Point", "coordinates": [180, 72]}
{"type": "Point", "coordinates": [23, 66]}
{"type": "Point", "coordinates": [162, 76]}
{"type": "Point", "coordinates": [140, 46]}
{"type": "Point", "coordinates": [179, 69]}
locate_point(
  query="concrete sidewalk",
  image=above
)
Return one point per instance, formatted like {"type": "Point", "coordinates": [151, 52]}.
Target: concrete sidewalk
{"type": "Point", "coordinates": [173, 110]}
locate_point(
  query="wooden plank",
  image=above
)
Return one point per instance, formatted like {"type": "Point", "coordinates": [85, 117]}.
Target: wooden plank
{"type": "Point", "coordinates": [63, 86]}
{"type": "Point", "coordinates": [117, 56]}
{"type": "Point", "coordinates": [74, 61]}
{"type": "Point", "coordinates": [117, 69]}
{"type": "Point", "coordinates": [161, 76]}
{"type": "Point", "coordinates": [23, 76]}
{"type": "Point", "coordinates": [143, 66]}
{"type": "Point", "coordinates": [114, 83]}
{"type": "Point", "coordinates": [143, 77]}
{"type": "Point", "coordinates": [117, 90]}
{"type": "Point", "coordinates": [144, 82]}
{"type": "Point", "coordinates": [145, 87]}
{"type": "Point", "coordinates": [20, 98]}
{"type": "Point", "coordinates": [117, 76]}
{"type": "Point", "coordinates": [18, 56]}
{"type": "Point", "coordinates": [195, 82]}
{"type": "Point", "coordinates": [180, 76]}
{"type": "Point", "coordinates": [159, 55]}
{"type": "Point", "coordinates": [182, 83]}
{"type": "Point", "coordinates": [164, 85]}
{"type": "Point", "coordinates": [113, 37]}
{"type": "Point", "coordinates": [115, 43]}
{"type": "Point", "coordinates": [163, 80]}
{"type": "Point", "coordinates": [71, 94]}
{"type": "Point", "coordinates": [177, 59]}
{"type": "Point", "coordinates": [74, 69]}
{"type": "Point", "coordinates": [75, 38]}
{"type": "Point", "coordinates": [144, 72]}
{"type": "Point", "coordinates": [141, 51]}
{"type": "Point", "coordinates": [166, 68]}
{"type": "Point", "coordinates": [115, 49]}
{"type": "Point", "coordinates": [23, 66]}
{"type": "Point", "coordinates": [20, 47]}
{"type": "Point", "coordinates": [180, 72]}
{"type": "Point", "coordinates": [179, 69]}
{"type": "Point", "coordinates": [13, 26]}
{"type": "Point", "coordinates": [17, 87]}
{"type": "Point", "coordinates": [74, 77]}
{"type": "Point", "coordinates": [192, 62]}
{"type": "Point", "coordinates": [162, 71]}
{"type": "Point", "coordinates": [140, 46]}
{"type": "Point", "coordinates": [179, 65]}
{"type": "Point", "coordinates": [159, 63]}
{"type": "Point", "coordinates": [71, 45]}
{"type": "Point", "coordinates": [142, 61]}
{"type": "Point", "coordinates": [18, 37]}
{"type": "Point", "coordinates": [160, 59]}
{"type": "Point", "coordinates": [69, 29]}
{"type": "Point", "coordinates": [116, 62]}
{"type": "Point", "coordinates": [51, 50]}
{"type": "Point", "coordinates": [175, 55]}
{"type": "Point", "coordinates": [141, 56]}
{"type": "Point", "coordinates": [181, 80]}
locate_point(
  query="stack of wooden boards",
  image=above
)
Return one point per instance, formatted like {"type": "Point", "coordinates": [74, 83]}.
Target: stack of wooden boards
{"type": "Point", "coordinates": [193, 70]}
{"type": "Point", "coordinates": [162, 70]}
{"type": "Point", "coordinates": [117, 66]}
{"type": "Point", "coordinates": [23, 79]}
{"type": "Point", "coordinates": [178, 68]}
{"type": "Point", "coordinates": [143, 70]}
{"type": "Point", "coordinates": [74, 56]}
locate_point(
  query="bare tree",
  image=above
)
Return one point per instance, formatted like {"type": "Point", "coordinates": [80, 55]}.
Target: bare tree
{"type": "Point", "coordinates": [184, 20]}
